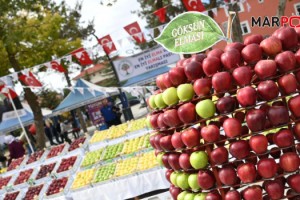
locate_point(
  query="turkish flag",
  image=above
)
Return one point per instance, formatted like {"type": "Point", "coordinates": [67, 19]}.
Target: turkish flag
{"type": "Point", "coordinates": [82, 56]}
{"type": "Point", "coordinates": [193, 5]}
{"type": "Point", "coordinates": [107, 44]}
{"type": "Point", "coordinates": [30, 80]}
{"type": "Point", "coordinates": [135, 31]}
{"type": "Point", "coordinates": [12, 93]}
{"type": "Point", "coordinates": [56, 66]}
{"type": "Point", "coordinates": [161, 14]}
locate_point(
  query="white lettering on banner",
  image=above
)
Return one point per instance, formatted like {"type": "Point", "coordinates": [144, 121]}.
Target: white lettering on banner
{"type": "Point", "coordinates": [152, 59]}
{"type": "Point", "coordinates": [12, 114]}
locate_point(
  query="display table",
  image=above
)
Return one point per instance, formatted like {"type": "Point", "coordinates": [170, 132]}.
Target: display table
{"type": "Point", "coordinates": [128, 187]}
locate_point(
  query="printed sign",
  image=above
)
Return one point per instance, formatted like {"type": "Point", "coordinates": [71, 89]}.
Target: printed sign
{"type": "Point", "coordinates": [95, 113]}
{"type": "Point", "coordinates": [189, 33]}
{"type": "Point", "coordinates": [144, 62]}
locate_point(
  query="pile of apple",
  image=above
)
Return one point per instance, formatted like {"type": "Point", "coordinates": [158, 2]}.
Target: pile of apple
{"type": "Point", "coordinates": [55, 151]}
{"type": "Point", "coordinates": [228, 122]}
{"type": "Point", "coordinates": [66, 164]}
{"type": "Point", "coordinates": [57, 186]}
{"type": "Point", "coordinates": [23, 176]}
{"type": "Point", "coordinates": [45, 170]}
{"type": "Point", "coordinates": [77, 143]}
{"type": "Point", "coordinates": [35, 156]}
{"type": "Point", "coordinates": [33, 192]}
{"type": "Point", "coordinates": [11, 196]}
{"type": "Point", "coordinates": [15, 163]}
{"type": "Point", "coordinates": [4, 181]}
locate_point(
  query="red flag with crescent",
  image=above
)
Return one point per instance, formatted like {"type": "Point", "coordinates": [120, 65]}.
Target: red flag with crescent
{"type": "Point", "coordinates": [30, 80]}
{"type": "Point", "coordinates": [82, 56]}
{"type": "Point", "coordinates": [57, 66]}
{"type": "Point", "coordinates": [193, 5]}
{"type": "Point", "coordinates": [12, 93]}
{"type": "Point", "coordinates": [161, 14]}
{"type": "Point", "coordinates": [135, 31]}
{"type": "Point", "coordinates": [107, 44]}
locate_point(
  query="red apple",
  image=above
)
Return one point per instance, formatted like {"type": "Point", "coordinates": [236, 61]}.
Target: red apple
{"type": "Point", "coordinates": [159, 82]}
{"type": "Point", "coordinates": [267, 167]}
{"type": "Point", "coordinates": [193, 70]}
{"type": "Point", "coordinates": [202, 87]}
{"type": "Point", "coordinates": [296, 130]}
{"type": "Point", "coordinates": [206, 179]}
{"type": "Point", "coordinates": [210, 133]}
{"type": "Point", "coordinates": [213, 195]}
{"type": "Point", "coordinates": [288, 37]}
{"type": "Point", "coordinates": [294, 182]}
{"type": "Point", "coordinates": [259, 143]}
{"type": "Point", "coordinates": [232, 127]}
{"type": "Point", "coordinates": [274, 189]}
{"type": "Point", "coordinates": [165, 161]}
{"type": "Point", "coordinates": [289, 162]}
{"type": "Point", "coordinates": [187, 113]}
{"type": "Point", "coordinates": [219, 155]}
{"type": "Point", "coordinates": [168, 174]}
{"type": "Point", "coordinates": [173, 160]}
{"type": "Point", "coordinates": [252, 53]}
{"type": "Point", "coordinates": [253, 193]}
{"type": "Point", "coordinates": [211, 65]}
{"type": "Point", "coordinates": [231, 59]}
{"type": "Point", "coordinates": [271, 46]}
{"type": "Point", "coordinates": [177, 76]}
{"type": "Point", "coordinates": [175, 191]}
{"type": "Point", "coordinates": [247, 96]}
{"type": "Point", "coordinates": [160, 121]}
{"type": "Point", "coordinates": [235, 45]}
{"type": "Point", "coordinates": [176, 140]}
{"type": "Point", "coordinates": [153, 121]}
{"type": "Point", "coordinates": [297, 56]}
{"type": "Point", "coordinates": [180, 63]}
{"type": "Point", "coordinates": [283, 138]}
{"type": "Point", "coordinates": [239, 149]}
{"type": "Point", "coordinates": [256, 119]}
{"type": "Point", "coordinates": [157, 139]}
{"type": "Point", "coordinates": [253, 39]}
{"type": "Point", "coordinates": [286, 61]}
{"type": "Point", "coordinates": [294, 106]}
{"type": "Point", "coordinates": [215, 53]}
{"type": "Point", "coordinates": [171, 118]}
{"type": "Point", "coordinates": [242, 75]}
{"type": "Point", "coordinates": [287, 83]}
{"type": "Point", "coordinates": [232, 195]}
{"type": "Point", "coordinates": [221, 81]}
{"type": "Point", "coordinates": [265, 69]}
{"type": "Point", "coordinates": [167, 80]}
{"type": "Point", "coordinates": [247, 172]}
{"type": "Point", "coordinates": [227, 176]}
{"type": "Point", "coordinates": [198, 57]}
{"type": "Point", "coordinates": [267, 90]}
{"type": "Point", "coordinates": [278, 115]}
{"type": "Point", "coordinates": [184, 161]}
{"type": "Point", "coordinates": [240, 115]}
{"type": "Point", "coordinates": [165, 143]}
{"type": "Point", "coordinates": [190, 137]}
{"type": "Point", "coordinates": [226, 104]}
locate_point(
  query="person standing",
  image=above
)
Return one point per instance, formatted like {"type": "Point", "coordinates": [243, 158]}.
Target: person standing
{"type": "Point", "coordinates": [49, 134]}
{"type": "Point", "coordinates": [64, 132]}
{"type": "Point", "coordinates": [109, 114]}
{"type": "Point", "coordinates": [15, 148]}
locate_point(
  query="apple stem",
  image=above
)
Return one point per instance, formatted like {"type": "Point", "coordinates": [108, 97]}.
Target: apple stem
{"type": "Point", "coordinates": [229, 25]}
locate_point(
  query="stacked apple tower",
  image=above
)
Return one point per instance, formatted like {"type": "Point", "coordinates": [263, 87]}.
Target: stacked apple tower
{"type": "Point", "coordinates": [227, 123]}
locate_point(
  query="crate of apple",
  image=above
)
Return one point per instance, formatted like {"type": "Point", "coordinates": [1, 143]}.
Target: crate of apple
{"type": "Point", "coordinates": [104, 173]}
{"type": "Point", "coordinates": [92, 158]}
{"type": "Point", "coordinates": [16, 163]}
{"type": "Point", "coordinates": [56, 150]}
{"type": "Point", "coordinates": [67, 164]}
{"type": "Point", "coordinates": [13, 196]}
{"type": "Point", "coordinates": [77, 143]}
{"type": "Point", "coordinates": [126, 167]}
{"type": "Point", "coordinates": [213, 111]}
{"type": "Point", "coordinates": [34, 192]}
{"type": "Point", "coordinates": [23, 177]}
{"type": "Point", "coordinates": [44, 171]}
{"type": "Point", "coordinates": [83, 178]}
{"type": "Point", "coordinates": [57, 187]}
{"type": "Point", "coordinates": [36, 156]}
{"type": "Point", "coordinates": [113, 151]}
{"type": "Point", "coordinates": [4, 181]}
{"type": "Point", "coordinates": [147, 161]}
{"type": "Point", "coordinates": [99, 136]}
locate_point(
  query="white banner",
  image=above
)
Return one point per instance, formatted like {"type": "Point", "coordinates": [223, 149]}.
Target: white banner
{"type": "Point", "coordinates": [152, 59]}
{"type": "Point", "coordinates": [13, 115]}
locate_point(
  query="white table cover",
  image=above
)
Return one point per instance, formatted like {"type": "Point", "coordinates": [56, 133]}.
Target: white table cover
{"type": "Point", "coordinates": [128, 187]}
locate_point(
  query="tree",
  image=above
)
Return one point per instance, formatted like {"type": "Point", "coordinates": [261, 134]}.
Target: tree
{"type": "Point", "coordinates": [49, 99]}
{"type": "Point", "coordinates": [31, 33]}
{"type": "Point", "coordinates": [237, 34]}
{"type": "Point", "coordinates": [281, 8]}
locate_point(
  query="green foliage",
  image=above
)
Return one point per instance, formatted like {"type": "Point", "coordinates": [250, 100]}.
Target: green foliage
{"type": "Point", "coordinates": [49, 99]}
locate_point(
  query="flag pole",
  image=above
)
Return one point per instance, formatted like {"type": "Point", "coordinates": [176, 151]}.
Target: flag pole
{"type": "Point", "coordinates": [19, 119]}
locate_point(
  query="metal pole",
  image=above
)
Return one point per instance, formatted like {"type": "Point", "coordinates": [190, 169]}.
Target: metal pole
{"type": "Point", "coordinates": [15, 109]}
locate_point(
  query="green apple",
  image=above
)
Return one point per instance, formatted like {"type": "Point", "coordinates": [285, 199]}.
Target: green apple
{"type": "Point", "coordinates": [173, 177]}
{"type": "Point", "coordinates": [181, 195]}
{"type": "Point", "coordinates": [152, 102]}
{"type": "Point", "coordinates": [185, 92]}
{"type": "Point", "coordinates": [159, 158]}
{"type": "Point", "coordinates": [189, 196]}
{"type": "Point", "coordinates": [200, 196]}
{"type": "Point", "coordinates": [193, 181]}
{"type": "Point", "coordinates": [199, 159]}
{"type": "Point", "coordinates": [206, 108]}
{"type": "Point", "coordinates": [170, 96]}
{"type": "Point", "coordinates": [148, 124]}
{"type": "Point", "coordinates": [182, 181]}
{"type": "Point", "coordinates": [159, 102]}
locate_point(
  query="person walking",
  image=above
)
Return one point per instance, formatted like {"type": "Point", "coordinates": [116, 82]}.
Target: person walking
{"type": "Point", "coordinates": [49, 134]}
{"type": "Point", "coordinates": [15, 148]}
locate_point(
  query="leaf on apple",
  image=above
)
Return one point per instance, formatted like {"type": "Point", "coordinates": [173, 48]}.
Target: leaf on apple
{"type": "Point", "coordinates": [190, 32]}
